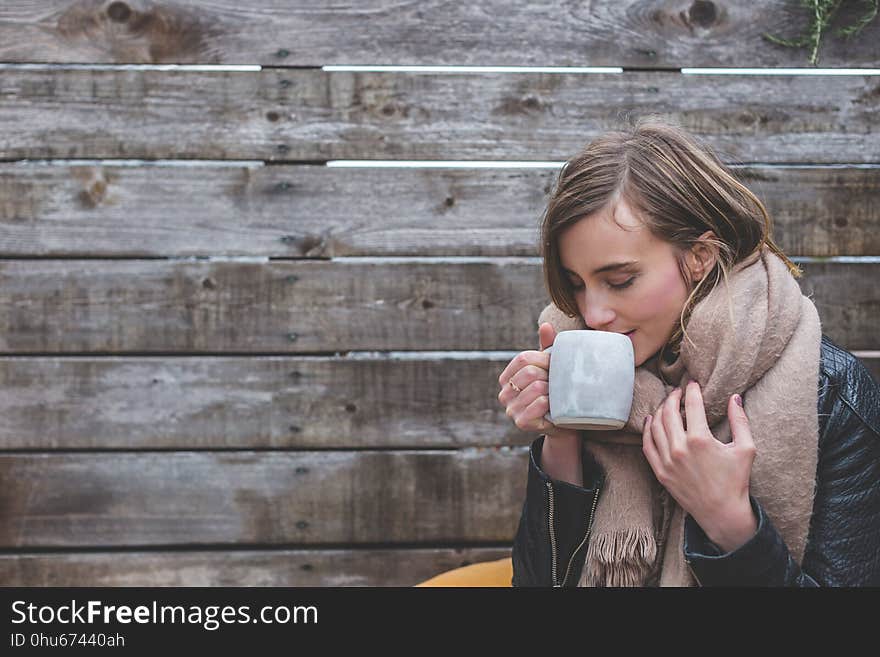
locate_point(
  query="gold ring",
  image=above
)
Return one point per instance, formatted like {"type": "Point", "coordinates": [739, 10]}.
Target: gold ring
{"type": "Point", "coordinates": [514, 386]}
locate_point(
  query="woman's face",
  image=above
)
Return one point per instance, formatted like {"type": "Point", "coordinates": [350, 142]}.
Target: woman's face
{"type": "Point", "coordinates": [645, 296]}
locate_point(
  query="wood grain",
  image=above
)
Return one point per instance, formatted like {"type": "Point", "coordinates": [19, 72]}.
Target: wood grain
{"type": "Point", "coordinates": [313, 115]}
{"type": "Point", "coordinates": [428, 400]}
{"type": "Point", "coordinates": [61, 210]}
{"type": "Point", "coordinates": [173, 307]}
{"type": "Point", "coordinates": [288, 499]}
{"type": "Point", "coordinates": [425, 400]}
{"type": "Point", "coordinates": [311, 567]}
{"type": "Point", "coordinates": [285, 33]}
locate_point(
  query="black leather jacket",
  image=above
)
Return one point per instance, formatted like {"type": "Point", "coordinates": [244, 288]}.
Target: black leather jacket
{"type": "Point", "coordinates": [843, 545]}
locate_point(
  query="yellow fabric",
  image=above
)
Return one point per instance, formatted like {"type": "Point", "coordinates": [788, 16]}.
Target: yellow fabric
{"type": "Point", "coordinates": [486, 573]}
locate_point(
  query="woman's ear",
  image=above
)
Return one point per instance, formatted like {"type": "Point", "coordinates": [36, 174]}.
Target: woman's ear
{"type": "Point", "coordinates": [701, 258]}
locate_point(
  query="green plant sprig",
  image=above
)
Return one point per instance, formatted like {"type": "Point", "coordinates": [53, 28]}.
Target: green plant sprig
{"type": "Point", "coordinates": [822, 12]}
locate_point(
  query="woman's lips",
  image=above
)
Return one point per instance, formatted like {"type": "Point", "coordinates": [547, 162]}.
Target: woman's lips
{"type": "Point", "coordinates": [629, 334]}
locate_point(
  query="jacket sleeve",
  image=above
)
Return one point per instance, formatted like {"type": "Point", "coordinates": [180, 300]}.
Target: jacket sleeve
{"type": "Point", "coordinates": [843, 546]}
{"type": "Point", "coordinates": [550, 543]}
{"type": "Point", "coordinates": [764, 560]}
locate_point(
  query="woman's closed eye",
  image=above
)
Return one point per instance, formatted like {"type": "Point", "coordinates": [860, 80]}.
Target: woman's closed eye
{"type": "Point", "coordinates": [619, 286]}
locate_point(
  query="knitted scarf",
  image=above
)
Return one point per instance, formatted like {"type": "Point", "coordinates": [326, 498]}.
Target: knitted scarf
{"type": "Point", "coordinates": [756, 335]}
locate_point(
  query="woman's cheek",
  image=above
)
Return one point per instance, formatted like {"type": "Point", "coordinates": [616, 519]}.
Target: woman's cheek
{"type": "Point", "coordinates": [654, 302]}
{"type": "Point", "coordinates": [661, 301]}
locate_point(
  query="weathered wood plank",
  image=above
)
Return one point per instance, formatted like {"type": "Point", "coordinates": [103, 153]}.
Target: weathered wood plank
{"type": "Point", "coordinates": [298, 498]}
{"type": "Point", "coordinates": [365, 567]}
{"type": "Point", "coordinates": [349, 304]}
{"type": "Point", "coordinates": [315, 211]}
{"type": "Point", "coordinates": [841, 298]}
{"type": "Point", "coordinates": [255, 402]}
{"type": "Point", "coordinates": [317, 115]}
{"type": "Point", "coordinates": [428, 401]}
{"type": "Point", "coordinates": [281, 32]}
{"type": "Point", "coordinates": [263, 306]}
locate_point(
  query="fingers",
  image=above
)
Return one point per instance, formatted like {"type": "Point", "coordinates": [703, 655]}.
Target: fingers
{"type": "Point", "coordinates": [739, 426]}
{"type": "Point", "coordinates": [519, 404]}
{"type": "Point", "coordinates": [532, 418]}
{"type": "Point", "coordinates": [546, 335]}
{"type": "Point", "coordinates": [530, 406]}
{"type": "Point", "coordinates": [521, 360]}
{"type": "Point", "coordinates": [522, 379]}
{"type": "Point", "coordinates": [658, 434]}
{"type": "Point", "coordinates": [695, 411]}
{"type": "Point", "coordinates": [672, 424]}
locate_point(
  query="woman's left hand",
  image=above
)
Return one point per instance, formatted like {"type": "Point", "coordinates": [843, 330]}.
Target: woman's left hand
{"type": "Point", "coordinates": [709, 479]}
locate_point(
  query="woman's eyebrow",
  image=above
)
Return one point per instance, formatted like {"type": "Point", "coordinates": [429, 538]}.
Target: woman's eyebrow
{"type": "Point", "coordinates": [609, 267]}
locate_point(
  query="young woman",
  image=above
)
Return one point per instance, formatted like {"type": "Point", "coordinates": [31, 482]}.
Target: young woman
{"type": "Point", "coordinates": [752, 454]}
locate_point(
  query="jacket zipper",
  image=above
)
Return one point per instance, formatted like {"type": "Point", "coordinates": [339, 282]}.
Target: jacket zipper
{"type": "Point", "coordinates": [586, 536]}
{"type": "Point", "coordinates": [553, 536]}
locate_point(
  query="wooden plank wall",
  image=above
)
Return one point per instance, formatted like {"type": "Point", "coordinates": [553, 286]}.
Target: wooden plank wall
{"type": "Point", "coordinates": [225, 363]}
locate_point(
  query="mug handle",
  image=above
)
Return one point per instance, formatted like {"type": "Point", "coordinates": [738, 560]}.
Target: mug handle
{"type": "Point", "coordinates": [547, 415]}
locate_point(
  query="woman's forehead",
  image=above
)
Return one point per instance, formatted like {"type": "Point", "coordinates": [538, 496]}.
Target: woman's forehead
{"type": "Point", "coordinates": [603, 238]}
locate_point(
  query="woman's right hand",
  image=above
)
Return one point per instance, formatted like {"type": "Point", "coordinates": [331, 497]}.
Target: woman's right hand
{"type": "Point", "coordinates": [529, 371]}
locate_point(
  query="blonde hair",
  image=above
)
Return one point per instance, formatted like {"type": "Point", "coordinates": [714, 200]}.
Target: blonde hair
{"type": "Point", "coordinates": [678, 187]}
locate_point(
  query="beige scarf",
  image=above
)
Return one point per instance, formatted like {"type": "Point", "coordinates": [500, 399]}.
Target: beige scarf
{"type": "Point", "coordinates": [762, 341]}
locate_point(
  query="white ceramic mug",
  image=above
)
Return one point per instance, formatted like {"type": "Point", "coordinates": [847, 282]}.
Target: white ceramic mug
{"type": "Point", "coordinates": [592, 374]}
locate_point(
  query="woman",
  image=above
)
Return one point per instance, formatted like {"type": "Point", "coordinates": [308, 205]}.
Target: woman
{"type": "Point", "coordinates": [770, 475]}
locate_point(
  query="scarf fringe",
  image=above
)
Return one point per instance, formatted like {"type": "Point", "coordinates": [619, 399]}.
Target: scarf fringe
{"type": "Point", "coordinates": [620, 558]}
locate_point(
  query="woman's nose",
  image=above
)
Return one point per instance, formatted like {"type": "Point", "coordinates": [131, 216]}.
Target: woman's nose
{"type": "Point", "coordinates": [597, 313]}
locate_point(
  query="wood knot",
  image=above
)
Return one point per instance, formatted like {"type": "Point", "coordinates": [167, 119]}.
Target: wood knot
{"type": "Point", "coordinates": [520, 106]}
{"type": "Point", "coordinates": [119, 12]}
{"type": "Point", "coordinates": [94, 194]}
{"type": "Point", "coordinates": [702, 13]}
{"type": "Point", "coordinates": [393, 109]}
{"type": "Point", "coordinates": [159, 33]}
{"type": "Point", "coordinates": [308, 245]}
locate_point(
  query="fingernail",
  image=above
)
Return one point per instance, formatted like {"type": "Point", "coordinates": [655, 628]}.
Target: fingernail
{"type": "Point", "coordinates": [738, 400]}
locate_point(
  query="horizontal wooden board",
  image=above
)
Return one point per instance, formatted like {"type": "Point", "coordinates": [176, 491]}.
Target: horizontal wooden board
{"type": "Point", "coordinates": [313, 567]}
{"type": "Point", "coordinates": [266, 498]}
{"type": "Point", "coordinates": [164, 306]}
{"type": "Point", "coordinates": [254, 402]}
{"type": "Point", "coordinates": [314, 115]}
{"type": "Point", "coordinates": [315, 211]}
{"type": "Point", "coordinates": [281, 32]}
{"type": "Point", "coordinates": [423, 401]}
